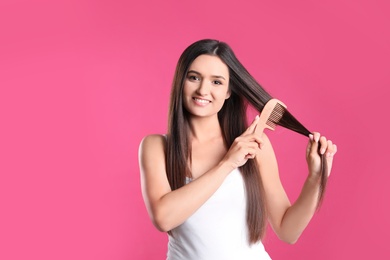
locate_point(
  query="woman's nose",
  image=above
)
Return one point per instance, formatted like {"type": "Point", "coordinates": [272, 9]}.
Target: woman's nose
{"type": "Point", "coordinates": [203, 88]}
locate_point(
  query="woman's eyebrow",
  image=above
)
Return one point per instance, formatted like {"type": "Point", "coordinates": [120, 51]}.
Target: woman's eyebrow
{"type": "Point", "coordinates": [218, 77]}
{"type": "Point", "coordinates": [214, 76]}
{"type": "Point", "coordinates": [193, 71]}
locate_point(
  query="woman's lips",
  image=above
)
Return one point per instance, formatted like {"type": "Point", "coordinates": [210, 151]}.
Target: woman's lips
{"type": "Point", "coordinates": [200, 101]}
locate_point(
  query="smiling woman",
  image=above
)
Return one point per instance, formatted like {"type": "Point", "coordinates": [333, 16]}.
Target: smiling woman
{"type": "Point", "coordinates": [212, 182]}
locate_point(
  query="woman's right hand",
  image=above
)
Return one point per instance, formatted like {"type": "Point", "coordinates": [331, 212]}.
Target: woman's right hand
{"type": "Point", "coordinates": [244, 147]}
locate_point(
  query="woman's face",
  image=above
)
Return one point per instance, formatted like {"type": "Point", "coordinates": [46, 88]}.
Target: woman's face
{"type": "Point", "coordinates": [206, 86]}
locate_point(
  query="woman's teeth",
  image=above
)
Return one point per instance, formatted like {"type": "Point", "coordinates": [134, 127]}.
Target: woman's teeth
{"type": "Point", "coordinates": [201, 100]}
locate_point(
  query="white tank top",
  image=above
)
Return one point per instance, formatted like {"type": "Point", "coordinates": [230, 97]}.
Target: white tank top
{"type": "Point", "coordinates": [217, 230]}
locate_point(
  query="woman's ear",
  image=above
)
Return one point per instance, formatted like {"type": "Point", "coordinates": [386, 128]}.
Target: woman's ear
{"type": "Point", "coordinates": [228, 94]}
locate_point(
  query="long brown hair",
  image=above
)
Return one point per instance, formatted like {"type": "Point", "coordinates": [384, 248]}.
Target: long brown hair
{"type": "Point", "coordinates": [232, 118]}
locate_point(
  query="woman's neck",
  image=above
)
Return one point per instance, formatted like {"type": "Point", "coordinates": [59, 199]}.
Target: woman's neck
{"type": "Point", "coordinates": [204, 128]}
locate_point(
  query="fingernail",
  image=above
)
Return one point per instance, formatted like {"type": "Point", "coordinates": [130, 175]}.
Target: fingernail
{"type": "Point", "coordinates": [322, 151]}
{"type": "Point", "coordinates": [328, 154]}
{"type": "Point", "coordinates": [317, 138]}
{"type": "Point", "coordinates": [257, 117]}
{"type": "Point", "coordinates": [311, 137]}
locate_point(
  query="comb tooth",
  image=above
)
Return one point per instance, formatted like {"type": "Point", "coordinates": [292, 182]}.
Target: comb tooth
{"type": "Point", "coordinates": [280, 109]}
{"type": "Point", "coordinates": [278, 105]}
{"type": "Point", "coordinates": [275, 116]}
{"type": "Point", "coordinates": [277, 112]}
{"type": "Point", "coordinates": [271, 124]}
{"type": "Point", "coordinates": [271, 119]}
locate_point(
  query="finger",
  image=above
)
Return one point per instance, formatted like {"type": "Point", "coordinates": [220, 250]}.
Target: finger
{"type": "Point", "coordinates": [323, 144]}
{"type": "Point", "coordinates": [253, 148]}
{"type": "Point", "coordinates": [251, 154]}
{"type": "Point", "coordinates": [255, 137]}
{"type": "Point", "coordinates": [313, 146]}
{"type": "Point", "coordinates": [309, 144]}
{"type": "Point", "coordinates": [330, 149]}
{"type": "Point", "coordinates": [316, 136]}
{"type": "Point", "coordinates": [252, 127]}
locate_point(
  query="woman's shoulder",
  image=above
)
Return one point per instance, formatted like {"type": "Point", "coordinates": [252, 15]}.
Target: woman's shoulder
{"type": "Point", "coordinates": [155, 137]}
{"type": "Point", "coordinates": [153, 141]}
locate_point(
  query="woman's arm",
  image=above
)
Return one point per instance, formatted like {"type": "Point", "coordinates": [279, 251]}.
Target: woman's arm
{"type": "Point", "coordinates": [168, 208]}
{"type": "Point", "coordinates": [289, 221]}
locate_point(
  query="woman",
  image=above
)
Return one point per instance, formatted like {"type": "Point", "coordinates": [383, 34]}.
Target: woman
{"type": "Point", "coordinates": [212, 182]}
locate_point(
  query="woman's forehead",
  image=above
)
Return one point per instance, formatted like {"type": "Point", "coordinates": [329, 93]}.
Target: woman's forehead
{"type": "Point", "coordinates": [209, 65]}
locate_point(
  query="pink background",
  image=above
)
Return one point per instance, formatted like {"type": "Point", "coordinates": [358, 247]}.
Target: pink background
{"type": "Point", "coordinates": [83, 81]}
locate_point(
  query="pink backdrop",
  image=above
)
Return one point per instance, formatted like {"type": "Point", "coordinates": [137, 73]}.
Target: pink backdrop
{"type": "Point", "coordinates": [83, 81]}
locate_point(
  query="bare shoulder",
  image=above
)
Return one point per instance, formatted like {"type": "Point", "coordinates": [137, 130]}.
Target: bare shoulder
{"type": "Point", "coordinates": [152, 154]}
{"type": "Point", "coordinates": [154, 141]}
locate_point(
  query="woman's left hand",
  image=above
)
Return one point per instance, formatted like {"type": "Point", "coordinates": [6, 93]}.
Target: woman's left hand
{"type": "Point", "coordinates": [317, 146]}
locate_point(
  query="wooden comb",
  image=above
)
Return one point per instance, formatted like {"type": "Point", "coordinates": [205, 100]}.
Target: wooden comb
{"type": "Point", "coordinates": [270, 115]}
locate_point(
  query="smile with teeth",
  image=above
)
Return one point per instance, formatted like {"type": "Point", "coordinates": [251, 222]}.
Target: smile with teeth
{"type": "Point", "coordinates": [203, 101]}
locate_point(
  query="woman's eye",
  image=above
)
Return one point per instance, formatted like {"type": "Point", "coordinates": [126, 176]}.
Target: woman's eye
{"type": "Point", "coordinates": [216, 82]}
{"type": "Point", "coordinates": [192, 77]}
